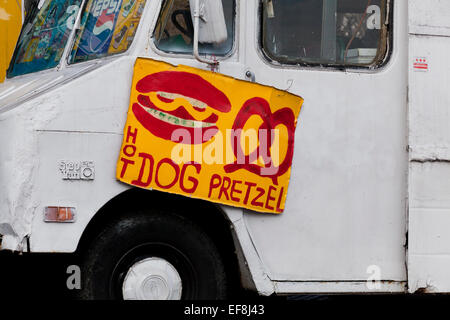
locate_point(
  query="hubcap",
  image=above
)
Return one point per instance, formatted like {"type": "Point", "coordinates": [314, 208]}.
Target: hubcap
{"type": "Point", "coordinates": [152, 279]}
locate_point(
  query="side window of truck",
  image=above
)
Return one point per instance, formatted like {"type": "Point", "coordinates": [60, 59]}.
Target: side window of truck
{"type": "Point", "coordinates": [325, 32]}
{"type": "Point", "coordinates": [107, 27]}
{"type": "Point", "coordinates": [174, 30]}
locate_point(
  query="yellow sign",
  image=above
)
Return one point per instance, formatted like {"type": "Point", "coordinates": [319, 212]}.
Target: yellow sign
{"type": "Point", "coordinates": [208, 136]}
{"type": "Point", "coordinates": [10, 23]}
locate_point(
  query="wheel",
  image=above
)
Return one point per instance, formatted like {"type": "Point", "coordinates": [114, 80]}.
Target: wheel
{"type": "Point", "coordinates": [147, 256]}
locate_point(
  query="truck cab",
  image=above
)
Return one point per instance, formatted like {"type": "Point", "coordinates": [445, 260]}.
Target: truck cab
{"type": "Point", "coordinates": [366, 208]}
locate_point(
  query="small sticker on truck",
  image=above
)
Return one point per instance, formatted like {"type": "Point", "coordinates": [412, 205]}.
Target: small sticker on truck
{"type": "Point", "coordinates": [420, 64]}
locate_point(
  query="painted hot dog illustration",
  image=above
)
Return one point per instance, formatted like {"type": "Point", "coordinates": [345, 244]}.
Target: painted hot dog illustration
{"type": "Point", "coordinates": [172, 100]}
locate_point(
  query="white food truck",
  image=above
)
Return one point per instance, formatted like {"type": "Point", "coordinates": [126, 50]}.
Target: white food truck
{"type": "Point", "coordinates": [368, 206]}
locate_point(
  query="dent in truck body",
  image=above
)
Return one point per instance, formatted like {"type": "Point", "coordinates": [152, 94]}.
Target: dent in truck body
{"type": "Point", "coordinates": [18, 170]}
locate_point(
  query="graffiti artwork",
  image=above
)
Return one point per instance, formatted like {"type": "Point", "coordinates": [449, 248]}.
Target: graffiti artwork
{"type": "Point", "coordinates": [208, 136]}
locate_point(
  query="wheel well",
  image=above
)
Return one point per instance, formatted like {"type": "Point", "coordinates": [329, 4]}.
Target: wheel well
{"type": "Point", "coordinates": [206, 215]}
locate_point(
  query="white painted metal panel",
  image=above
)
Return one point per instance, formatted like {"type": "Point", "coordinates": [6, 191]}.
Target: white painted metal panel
{"type": "Point", "coordinates": [429, 98]}
{"type": "Point", "coordinates": [429, 140]}
{"type": "Point", "coordinates": [311, 287]}
{"type": "Point", "coordinates": [86, 196]}
{"type": "Point", "coordinates": [82, 120]}
{"type": "Point", "coordinates": [429, 17]}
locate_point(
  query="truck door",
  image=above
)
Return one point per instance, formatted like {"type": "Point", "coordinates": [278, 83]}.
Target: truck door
{"type": "Point", "coordinates": [346, 208]}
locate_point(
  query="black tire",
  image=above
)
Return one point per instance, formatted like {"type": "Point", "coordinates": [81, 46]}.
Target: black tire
{"type": "Point", "coordinates": [142, 235]}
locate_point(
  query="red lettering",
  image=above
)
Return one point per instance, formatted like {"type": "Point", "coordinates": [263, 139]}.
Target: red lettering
{"type": "Point", "coordinates": [249, 185]}
{"type": "Point", "coordinates": [132, 135]}
{"type": "Point", "coordinates": [126, 162]}
{"type": "Point", "coordinates": [234, 190]}
{"type": "Point", "coordinates": [279, 200]}
{"type": "Point", "coordinates": [213, 185]}
{"type": "Point", "coordinates": [194, 181]}
{"type": "Point", "coordinates": [174, 166]}
{"type": "Point", "coordinates": [133, 150]}
{"type": "Point", "coordinates": [260, 194]}
{"type": "Point", "coordinates": [140, 182]}
{"type": "Point", "coordinates": [269, 197]}
{"type": "Point", "coordinates": [224, 188]}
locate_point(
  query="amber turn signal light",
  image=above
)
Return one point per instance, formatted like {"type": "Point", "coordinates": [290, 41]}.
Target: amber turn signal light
{"type": "Point", "coordinates": [59, 214]}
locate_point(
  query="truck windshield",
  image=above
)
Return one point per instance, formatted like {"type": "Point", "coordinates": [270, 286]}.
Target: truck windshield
{"type": "Point", "coordinates": [43, 39]}
{"type": "Point", "coordinates": [107, 27]}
